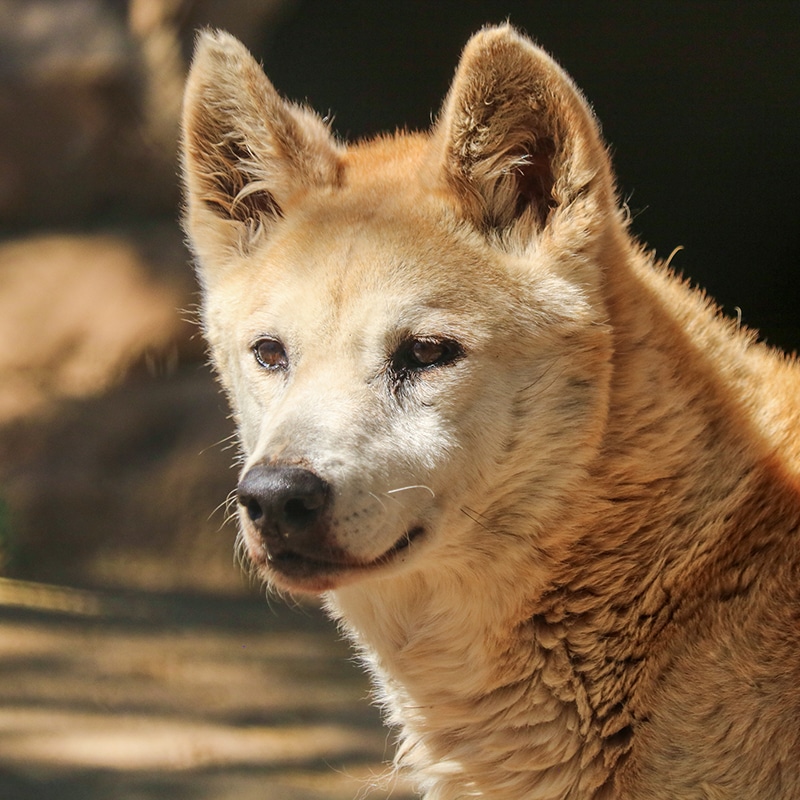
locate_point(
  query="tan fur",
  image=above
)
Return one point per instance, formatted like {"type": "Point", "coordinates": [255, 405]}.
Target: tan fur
{"type": "Point", "coordinates": [568, 550]}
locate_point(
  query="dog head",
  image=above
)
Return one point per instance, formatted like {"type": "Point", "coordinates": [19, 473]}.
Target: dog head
{"type": "Point", "coordinates": [411, 331]}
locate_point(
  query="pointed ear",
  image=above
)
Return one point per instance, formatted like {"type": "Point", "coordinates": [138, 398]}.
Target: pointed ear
{"type": "Point", "coordinates": [515, 140]}
{"type": "Point", "coordinates": [245, 151]}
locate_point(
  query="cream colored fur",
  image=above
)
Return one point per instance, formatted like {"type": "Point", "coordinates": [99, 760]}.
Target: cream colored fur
{"type": "Point", "coordinates": [568, 550]}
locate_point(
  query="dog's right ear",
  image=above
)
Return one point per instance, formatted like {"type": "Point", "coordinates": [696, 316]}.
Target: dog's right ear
{"type": "Point", "coordinates": [518, 145]}
{"type": "Point", "coordinates": [245, 151]}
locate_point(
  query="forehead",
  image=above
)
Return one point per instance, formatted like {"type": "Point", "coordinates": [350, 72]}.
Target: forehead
{"type": "Point", "coordinates": [385, 237]}
{"type": "Point", "coordinates": [383, 248]}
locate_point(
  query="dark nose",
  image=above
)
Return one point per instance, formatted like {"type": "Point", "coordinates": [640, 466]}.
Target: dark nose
{"type": "Point", "coordinates": [287, 506]}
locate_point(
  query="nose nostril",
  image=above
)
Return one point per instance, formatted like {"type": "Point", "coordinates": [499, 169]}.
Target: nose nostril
{"type": "Point", "coordinates": [253, 508]}
{"type": "Point", "coordinates": [300, 510]}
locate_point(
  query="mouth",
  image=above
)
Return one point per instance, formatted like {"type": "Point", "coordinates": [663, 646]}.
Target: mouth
{"type": "Point", "coordinates": [299, 572]}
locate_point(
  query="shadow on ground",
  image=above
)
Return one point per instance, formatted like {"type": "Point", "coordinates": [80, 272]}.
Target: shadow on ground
{"type": "Point", "coordinates": [136, 696]}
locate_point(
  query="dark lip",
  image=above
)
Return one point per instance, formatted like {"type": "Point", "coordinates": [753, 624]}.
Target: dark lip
{"type": "Point", "coordinates": [301, 572]}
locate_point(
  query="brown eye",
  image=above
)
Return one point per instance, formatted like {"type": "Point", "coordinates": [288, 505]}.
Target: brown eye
{"type": "Point", "coordinates": [416, 355]}
{"type": "Point", "coordinates": [426, 354]}
{"type": "Point", "coordinates": [270, 354]}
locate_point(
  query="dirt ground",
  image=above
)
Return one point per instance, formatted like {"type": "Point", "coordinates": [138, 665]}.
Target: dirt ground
{"type": "Point", "coordinates": [139, 696]}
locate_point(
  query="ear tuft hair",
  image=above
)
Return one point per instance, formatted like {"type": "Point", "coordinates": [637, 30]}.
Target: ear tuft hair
{"type": "Point", "coordinates": [246, 151]}
{"type": "Point", "coordinates": [516, 139]}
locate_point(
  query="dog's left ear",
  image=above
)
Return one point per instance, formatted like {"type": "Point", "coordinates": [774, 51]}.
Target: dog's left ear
{"type": "Point", "coordinates": [516, 141]}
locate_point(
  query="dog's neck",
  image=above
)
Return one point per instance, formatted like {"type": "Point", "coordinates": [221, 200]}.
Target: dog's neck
{"type": "Point", "coordinates": [487, 693]}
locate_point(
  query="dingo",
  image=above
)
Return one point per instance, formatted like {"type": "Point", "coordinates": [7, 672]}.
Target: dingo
{"type": "Point", "coordinates": [552, 496]}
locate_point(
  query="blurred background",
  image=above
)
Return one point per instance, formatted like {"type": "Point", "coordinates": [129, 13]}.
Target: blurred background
{"type": "Point", "coordinates": [115, 445]}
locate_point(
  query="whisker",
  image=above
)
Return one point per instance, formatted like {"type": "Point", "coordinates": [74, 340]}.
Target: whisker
{"type": "Point", "coordinates": [240, 558]}
{"type": "Point", "coordinates": [475, 516]}
{"type": "Point", "coordinates": [224, 505]}
{"type": "Point", "coordinates": [383, 506]}
{"type": "Point", "coordinates": [228, 504]}
{"type": "Point", "coordinates": [414, 486]}
{"type": "Point", "coordinates": [475, 512]}
{"type": "Point", "coordinates": [226, 443]}
{"type": "Point", "coordinates": [541, 378]}
{"type": "Point", "coordinates": [391, 492]}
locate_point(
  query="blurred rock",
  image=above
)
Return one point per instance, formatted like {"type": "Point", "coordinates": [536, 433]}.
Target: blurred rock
{"type": "Point", "coordinates": [90, 94]}
{"type": "Point", "coordinates": [71, 144]}
{"type": "Point", "coordinates": [78, 311]}
{"type": "Point", "coordinates": [109, 418]}
{"type": "Point", "coordinates": [120, 489]}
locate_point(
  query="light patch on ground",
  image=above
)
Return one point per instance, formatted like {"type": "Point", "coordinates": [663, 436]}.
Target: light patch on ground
{"type": "Point", "coordinates": [150, 697]}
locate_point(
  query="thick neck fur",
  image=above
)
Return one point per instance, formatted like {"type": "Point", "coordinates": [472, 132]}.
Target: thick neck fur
{"type": "Point", "coordinates": [542, 697]}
